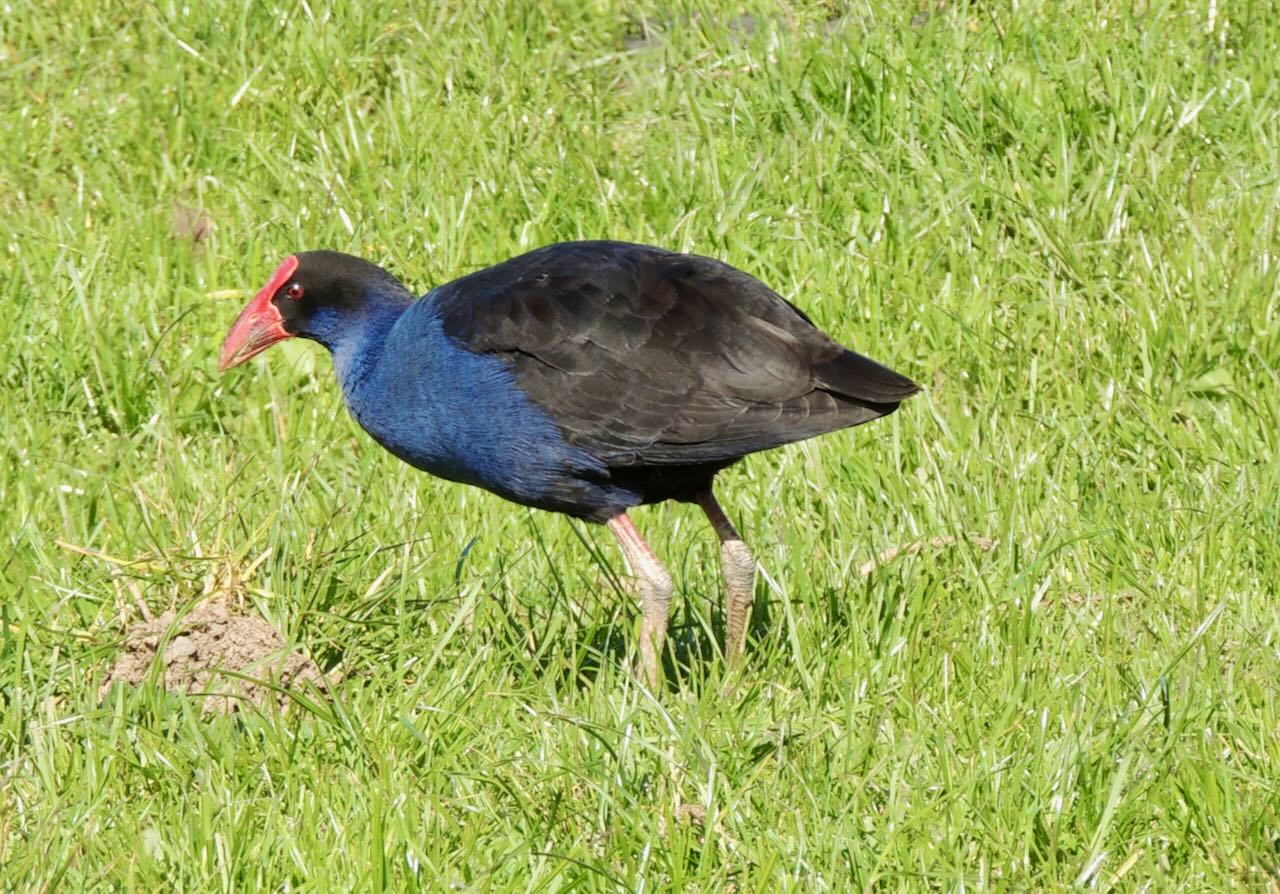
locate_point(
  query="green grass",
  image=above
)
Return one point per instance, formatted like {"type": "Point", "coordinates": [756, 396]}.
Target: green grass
{"type": "Point", "coordinates": [1061, 218]}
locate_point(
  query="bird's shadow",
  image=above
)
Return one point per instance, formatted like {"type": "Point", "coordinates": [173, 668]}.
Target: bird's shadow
{"type": "Point", "coordinates": [692, 657]}
{"type": "Point", "coordinates": [579, 650]}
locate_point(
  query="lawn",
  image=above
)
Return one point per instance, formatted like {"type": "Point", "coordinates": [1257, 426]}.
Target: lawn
{"type": "Point", "coordinates": [1064, 669]}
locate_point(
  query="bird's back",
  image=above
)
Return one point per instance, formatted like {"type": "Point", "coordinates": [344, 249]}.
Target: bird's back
{"type": "Point", "coordinates": [666, 367]}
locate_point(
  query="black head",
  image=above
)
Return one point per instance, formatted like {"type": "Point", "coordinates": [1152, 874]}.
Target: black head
{"type": "Point", "coordinates": [313, 294]}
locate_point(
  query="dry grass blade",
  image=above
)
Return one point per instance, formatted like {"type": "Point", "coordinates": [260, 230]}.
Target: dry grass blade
{"type": "Point", "coordinates": [985, 544]}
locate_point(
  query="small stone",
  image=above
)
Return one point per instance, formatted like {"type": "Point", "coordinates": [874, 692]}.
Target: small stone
{"type": "Point", "coordinates": [180, 647]}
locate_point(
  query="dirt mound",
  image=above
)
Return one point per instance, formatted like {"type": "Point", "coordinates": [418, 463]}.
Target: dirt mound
{"type": "Point", "coordinates": [201, 644]}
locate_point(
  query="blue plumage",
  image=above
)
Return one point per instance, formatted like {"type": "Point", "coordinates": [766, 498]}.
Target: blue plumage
{"type": "Point", "coordinates": [461, 415]}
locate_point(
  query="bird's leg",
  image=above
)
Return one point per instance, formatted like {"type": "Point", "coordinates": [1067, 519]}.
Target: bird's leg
{"type": "Point", "coordinates": [655, 588]}
{"type": "Point", "coordinates": [739, 577]}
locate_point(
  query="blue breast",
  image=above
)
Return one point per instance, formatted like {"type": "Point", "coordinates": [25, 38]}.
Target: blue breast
{"type": "Point", "coordinates": [461, 416]}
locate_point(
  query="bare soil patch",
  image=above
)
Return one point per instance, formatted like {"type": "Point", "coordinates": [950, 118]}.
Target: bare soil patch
{"type": "Point", "coordinates": [196, 648]}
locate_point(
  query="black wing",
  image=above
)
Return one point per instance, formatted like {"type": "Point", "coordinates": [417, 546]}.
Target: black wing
{"type": "Point", "coordinates": [648, 357]}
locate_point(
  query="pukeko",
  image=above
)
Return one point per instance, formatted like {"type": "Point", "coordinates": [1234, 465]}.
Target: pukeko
{"type": "Point", "coordinates": [584, 378]}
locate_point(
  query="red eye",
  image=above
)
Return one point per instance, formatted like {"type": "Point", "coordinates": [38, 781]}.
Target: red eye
{"type": "Point", "coordinates": [294, 291]}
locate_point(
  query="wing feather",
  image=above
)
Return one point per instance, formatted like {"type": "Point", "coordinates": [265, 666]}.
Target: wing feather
{"type": "Point", "coordinates": [645, 357]}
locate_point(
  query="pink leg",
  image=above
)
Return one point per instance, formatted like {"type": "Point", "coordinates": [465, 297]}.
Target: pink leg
{"type": "Point", "coordinates": [655, 588]}
{"type": "Point", "coordinates": [739, 577]}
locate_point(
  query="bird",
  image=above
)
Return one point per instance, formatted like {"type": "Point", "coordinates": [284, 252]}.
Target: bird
{"type": "Point", "coordinates": [584, 378]}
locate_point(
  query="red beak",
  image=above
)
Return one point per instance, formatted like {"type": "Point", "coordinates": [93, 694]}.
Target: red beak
{"type": "Point", "coordinates": [259, 325]}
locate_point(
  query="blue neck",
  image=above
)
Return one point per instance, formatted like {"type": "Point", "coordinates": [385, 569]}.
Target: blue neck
{"type": "Point", "coordinates": [355, 336]}
{"type": "Point", "coordinates": [457, 414]}
{"type": "Point", "coordinates": [356, 349]}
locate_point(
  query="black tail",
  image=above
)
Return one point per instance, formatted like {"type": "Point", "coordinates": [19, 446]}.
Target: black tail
{"type": "Point", "coordinates": [864, 380]}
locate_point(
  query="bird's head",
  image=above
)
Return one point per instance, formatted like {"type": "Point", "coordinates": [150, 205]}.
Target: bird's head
{"type": "Point", "coordinates": [320, 295]}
